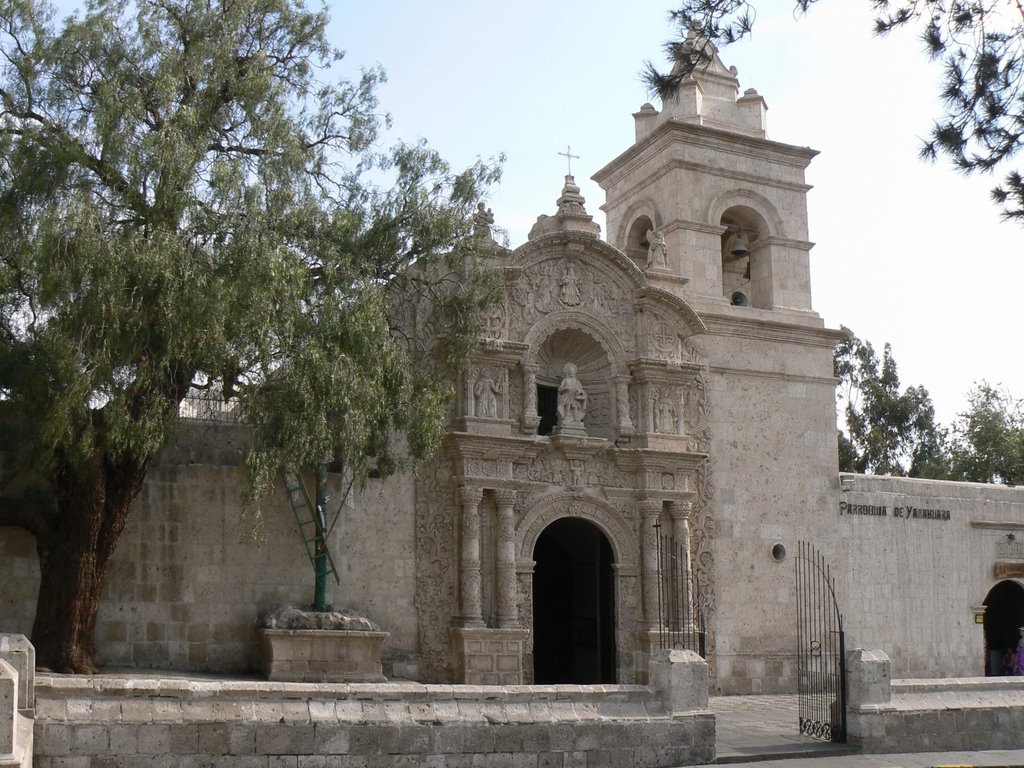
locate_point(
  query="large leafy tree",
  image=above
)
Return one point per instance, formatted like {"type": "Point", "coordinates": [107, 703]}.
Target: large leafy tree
{"type": "Point", "coordinates": [184, 204]}
{"type": "Point", "coordinates": [888, 431]}
{"type": "Point", "coordinates": [988, 438]}
{"type": "Point", "coordinates": [979, 43]}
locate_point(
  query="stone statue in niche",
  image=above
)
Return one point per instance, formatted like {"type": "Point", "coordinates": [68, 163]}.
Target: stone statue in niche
{"type": "Point", "coordinates": [486, 392]}
{"type": "Point", "coordinates": [572, 398]}
{"type": "Point", "coordinates": [664, 413]}
{"type": "Point", "coordinates": [657, 250]}
{"type": "Point", "coordinates": [569, 292]}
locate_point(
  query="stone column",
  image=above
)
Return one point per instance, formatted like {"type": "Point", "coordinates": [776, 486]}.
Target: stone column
{"type": "Point", "coordinates": [469, 564]}
{"type": "Point", "coordinates": [680, 399]}
{"type": "Point", "coordinates": [529, 417]}
{"type": "Point", "coordinates": [470, 404]}
{"type": "Point", "coordinates": [679, 511]}
{"type": "Point", "coordinates": [650, 393]}
{"type": "Point", "coordinates": [622, 404]}
{"type": "Point", "coordinates": [650, 511]}
{"type": "Point", "coordinates": [506, 576]}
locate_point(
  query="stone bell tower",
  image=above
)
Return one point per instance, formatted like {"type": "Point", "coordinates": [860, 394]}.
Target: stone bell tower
{"type": "Point", "coordinates": [729, 203]}
{"type": "Point", "coordinates": [714, 212]}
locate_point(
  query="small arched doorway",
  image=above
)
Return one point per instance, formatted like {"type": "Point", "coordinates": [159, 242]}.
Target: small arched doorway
{"type": "Point", "coordinates": [573, 605]}
{"type": "Point", "coordinates": [1004, 614]}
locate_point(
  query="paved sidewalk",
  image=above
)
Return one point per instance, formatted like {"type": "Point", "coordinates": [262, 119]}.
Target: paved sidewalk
{"type": "Point", "coordinates": [763, 732]}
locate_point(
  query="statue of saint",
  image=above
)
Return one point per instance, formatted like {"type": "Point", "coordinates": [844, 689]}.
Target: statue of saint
{"type": "Point", "coordinates": [487, 391]}
{"type": "Point", "coordinates": [657, 250]}
{"type": "Point", "coordinates": [572, 398]}
{"type": "Point", "coordinates": [483, 220]}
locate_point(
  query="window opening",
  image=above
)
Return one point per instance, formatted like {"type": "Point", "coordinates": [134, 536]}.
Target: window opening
{"type": "Point", "coordinates": [547, 409]}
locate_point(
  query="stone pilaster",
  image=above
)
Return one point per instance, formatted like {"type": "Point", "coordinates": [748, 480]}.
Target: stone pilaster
{"type": "Point", "coordinates": [506, 557]}
{"type": "Point", "coordinates": [650, 511]}
{"type": "Point", "coordinates": [530, 418]}
{"type": "Point", "coordinates": [469, 408]}
{"type": "Point", "coordinates": [679, 511]}
{"type": "Point", "coordinates": [469, 563]}
{"type": "Point", "coordinates": [625, 423]}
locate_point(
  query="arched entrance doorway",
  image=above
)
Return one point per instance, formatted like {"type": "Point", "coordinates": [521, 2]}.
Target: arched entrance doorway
{"type": "Point", "coordinates": [573, 605]}
{"type": "Point", "coordinates": [1004, 614]}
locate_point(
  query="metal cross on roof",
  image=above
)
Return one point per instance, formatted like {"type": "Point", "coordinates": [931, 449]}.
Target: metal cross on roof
{"type": "Point", "coordinates": [568, 155]}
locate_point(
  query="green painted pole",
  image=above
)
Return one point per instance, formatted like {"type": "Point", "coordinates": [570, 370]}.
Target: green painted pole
{"type": "Point", "coordinates": [320, 561]}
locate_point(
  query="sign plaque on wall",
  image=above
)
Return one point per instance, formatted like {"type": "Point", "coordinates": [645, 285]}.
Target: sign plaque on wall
{"type": "Point", "coordinates": [1009, 570]}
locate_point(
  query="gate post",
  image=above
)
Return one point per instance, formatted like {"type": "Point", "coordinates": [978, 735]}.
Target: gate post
{"type": "Point", "coordinates": [869, 676]}
{"type": "Point", "coordinates": [682, 679]}
{"type": "Point", "coordinates": [870, 689]}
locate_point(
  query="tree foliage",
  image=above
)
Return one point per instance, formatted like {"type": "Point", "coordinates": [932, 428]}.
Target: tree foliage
{"type": "Point", "coordinates": [980, 44]}
{"type": "Point", "coordinates": [888, 431]}
{"type": "Point", "coordinates": [186, 202]}
{"type": "Point", "coordinates": [988, 438]}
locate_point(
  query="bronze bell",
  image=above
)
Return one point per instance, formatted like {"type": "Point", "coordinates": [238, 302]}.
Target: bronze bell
{"type": "Point", "coordinates": [739, 247]}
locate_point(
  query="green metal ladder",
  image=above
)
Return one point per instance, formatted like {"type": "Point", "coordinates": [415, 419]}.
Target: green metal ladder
{"type": "Point", "coordinates": [307, 520]}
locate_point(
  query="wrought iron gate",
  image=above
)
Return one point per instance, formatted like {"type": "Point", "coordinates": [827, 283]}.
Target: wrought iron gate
{"type": "Point", "coordinates": [821, 649]}
{"type": "Point", "coordinates": [680, 611]}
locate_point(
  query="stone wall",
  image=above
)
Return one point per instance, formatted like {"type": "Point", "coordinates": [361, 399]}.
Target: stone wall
{"type": "Point", "coordinates": [910, 583]}
{"type": "Point", "coordinates": [17, 701]}
{"type": "Point", "coordinates": [773, 463]}
{"type": "Point", "coordinates": [936, 715]}
{"type": "Point", "coordinates": [148, 721]}
{"type": "Point", "coordinates": [187, 585]}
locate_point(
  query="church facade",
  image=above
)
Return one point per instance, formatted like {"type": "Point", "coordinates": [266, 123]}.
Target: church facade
{"type": "Point", "coordinates": [709, 388]}
{"type": "Point", "coordinates": [645, 432]}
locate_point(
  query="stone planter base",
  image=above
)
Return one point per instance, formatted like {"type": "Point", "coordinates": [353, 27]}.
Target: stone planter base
{"type": "Point", "coordinates": [488, 656]}
{"type": "Point", "coordinates": [323, 655]}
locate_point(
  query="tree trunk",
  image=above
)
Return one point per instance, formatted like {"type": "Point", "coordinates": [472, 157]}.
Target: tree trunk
{"type": "Point", "coordinates": [92, 506]}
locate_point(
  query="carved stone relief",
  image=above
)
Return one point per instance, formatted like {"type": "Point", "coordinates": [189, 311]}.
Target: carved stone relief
{"type": "Point", "coordinates": [436, 567]}
{"type": "Point", "coordinates": [494, 322]}
{"type": "Point", "coordinates": [553, 469]}
{"type": "Point", "coordinates": [557, 285]}
{"type": "Point", "coordinates": [667, 410]}
{"type": "Point", "coordinates": [702, 522]}
{"type": "Point", "coordinates": [665, 343]}
{"type": "Point", "coordinates": [487, 392]}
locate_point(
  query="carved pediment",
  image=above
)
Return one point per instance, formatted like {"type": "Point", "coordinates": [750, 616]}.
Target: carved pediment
{"type": "Point", "coordinates": [567, 283]}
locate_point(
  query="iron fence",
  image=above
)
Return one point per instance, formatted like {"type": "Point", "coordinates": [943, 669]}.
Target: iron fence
{"type": "Point", "coordinates": [680, 614]}
{"type": "Point", "coordinates": [208, 405]}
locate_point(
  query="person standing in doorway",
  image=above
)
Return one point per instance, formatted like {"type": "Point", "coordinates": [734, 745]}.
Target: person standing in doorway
{"type": "Point", "coordinates": [1018, 656]}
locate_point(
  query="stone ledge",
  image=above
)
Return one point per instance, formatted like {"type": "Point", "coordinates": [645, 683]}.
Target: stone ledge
{"type": "Point", "coordinates": [51, 687]}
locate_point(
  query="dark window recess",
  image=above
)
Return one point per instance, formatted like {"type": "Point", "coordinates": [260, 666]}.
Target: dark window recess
{"type": "Point", "coordinates": [547, 409]}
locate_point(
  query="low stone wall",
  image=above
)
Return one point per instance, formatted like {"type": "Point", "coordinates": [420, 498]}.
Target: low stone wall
{"type": "Point", "coordinates": [932, 715]}
{"type": "Point", "coordinates": [142, 722]}
{"type": "Point", "coordinates": [17, 700]}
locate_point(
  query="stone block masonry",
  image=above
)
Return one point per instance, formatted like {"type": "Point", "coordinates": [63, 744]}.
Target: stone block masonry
{"type": "Point", "coordinates": [149, 722]}
{"type": "Point", "coordinates": [934, 715]}
{"type": "Point", "coordinates": [322, 655]}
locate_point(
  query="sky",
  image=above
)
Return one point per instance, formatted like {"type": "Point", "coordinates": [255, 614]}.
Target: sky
{"type": "Point", "coordinates": [906, 252]}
